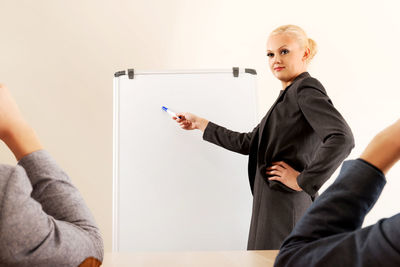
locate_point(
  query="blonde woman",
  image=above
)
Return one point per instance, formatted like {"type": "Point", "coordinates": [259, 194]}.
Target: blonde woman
{"type": "Point", "coordinates": [294, 149]}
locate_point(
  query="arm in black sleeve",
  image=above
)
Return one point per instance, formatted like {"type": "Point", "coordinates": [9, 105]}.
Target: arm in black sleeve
{"type": "Point", "coordinates": [329, 233]}
{"type": "Point", "coordinates": [233, 141]}
{"type": "Point", "coordinates": [336, 136]}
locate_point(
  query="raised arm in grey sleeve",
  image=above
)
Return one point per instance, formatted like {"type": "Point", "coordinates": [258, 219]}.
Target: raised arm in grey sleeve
{"type": "Point", "coordinates": [336, 136]}
{"type": "Point", "coordinates": [44, 220]}
{"type": "Point", "coordinates": [231, 140]}
{"type": "Point", "coordinates": [329, 233]}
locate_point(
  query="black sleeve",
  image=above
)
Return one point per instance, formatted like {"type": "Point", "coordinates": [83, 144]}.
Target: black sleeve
{"type": "Point", "coordinates": [336, 136]}
{"type": "Point", "coordinates": [329, 233]}
{"type": "Point", "coordinates": [233, 141]}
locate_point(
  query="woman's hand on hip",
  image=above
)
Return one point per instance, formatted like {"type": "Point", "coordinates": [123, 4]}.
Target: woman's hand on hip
{"type": "Point", "coordinates": [189, 121]}
{"type": "Point", "coordinates": [284, 173]}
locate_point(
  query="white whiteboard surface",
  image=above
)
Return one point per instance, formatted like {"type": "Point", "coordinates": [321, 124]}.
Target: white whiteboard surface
{"type": "Point", "coordinates": [173, 191]}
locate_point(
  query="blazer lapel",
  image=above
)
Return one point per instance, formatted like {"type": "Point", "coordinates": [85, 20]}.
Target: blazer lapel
{"type": "Point", "coordinates": [265, 119]}
{"type": "Point", "coordinates": [281, 94]}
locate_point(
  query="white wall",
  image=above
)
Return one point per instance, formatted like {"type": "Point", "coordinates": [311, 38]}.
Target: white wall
{"type": "Point", "coordinates": [58, 58]}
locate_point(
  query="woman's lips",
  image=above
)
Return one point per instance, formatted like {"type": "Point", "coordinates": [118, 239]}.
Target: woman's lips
{"type": "Point", "coordinates": [279, 68]}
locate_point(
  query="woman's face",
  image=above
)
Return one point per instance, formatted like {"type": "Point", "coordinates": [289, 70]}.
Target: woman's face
{"type": "Point", "coordinates": [286, 58]}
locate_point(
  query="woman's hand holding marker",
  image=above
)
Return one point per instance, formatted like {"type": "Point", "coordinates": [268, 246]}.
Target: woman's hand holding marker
{"type": "Point", "coordinates": [189, 121]}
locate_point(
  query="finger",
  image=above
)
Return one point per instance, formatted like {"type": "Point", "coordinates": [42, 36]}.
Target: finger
{"type": "Point", "coordinates": [275, 178]}
{"type": "Point", "coordinates": [180, 116]}
{"type": "Point", "coordinates": [276, 167]}
{"type": "Point", "coordinates": [277, 173]}
{"type": "Point", "coordinates": [280, 163]}
{"type": "Point", "coordinates": [273, 167]}
{"type": "Point", "coordinates": [285, 165]}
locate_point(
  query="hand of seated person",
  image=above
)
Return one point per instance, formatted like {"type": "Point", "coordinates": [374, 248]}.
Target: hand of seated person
{"type": "Point", "coordinates": [14, 130]}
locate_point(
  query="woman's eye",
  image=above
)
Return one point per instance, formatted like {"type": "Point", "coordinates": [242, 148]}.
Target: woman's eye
{"type": "Point", "coordinates": [270, 54]}
{"type": "Point", "coordinates": [284, 52]}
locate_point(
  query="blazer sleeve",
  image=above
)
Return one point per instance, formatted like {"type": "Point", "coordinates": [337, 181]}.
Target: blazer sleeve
{"type": "Point", "coordinates": [329, 233]}
{"type": "Point", "coordinates": [335, 134]}
{"type": "Point", "coordinates": [44, 219]}
{"type": "Point", "coordinates": [231, 140]}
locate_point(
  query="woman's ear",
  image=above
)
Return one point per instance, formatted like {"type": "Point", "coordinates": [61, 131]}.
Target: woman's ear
{"type": "Point", "coordinates": [307, 53]}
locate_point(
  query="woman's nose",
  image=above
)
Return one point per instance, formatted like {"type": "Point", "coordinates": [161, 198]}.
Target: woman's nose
{"type": "Point", "coordinates": [276, 59]}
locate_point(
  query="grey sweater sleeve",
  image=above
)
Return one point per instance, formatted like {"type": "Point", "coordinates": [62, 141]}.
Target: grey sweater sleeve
{"type": "Point", "coordinates": [44, 220]}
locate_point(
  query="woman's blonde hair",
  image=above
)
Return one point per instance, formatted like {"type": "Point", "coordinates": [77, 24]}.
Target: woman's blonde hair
{"type": "Point", "coordinates": [301, 36]}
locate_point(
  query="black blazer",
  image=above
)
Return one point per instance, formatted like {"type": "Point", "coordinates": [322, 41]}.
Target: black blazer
{"type": "Point", "coordinates": [330, 233]}
{"type": "Point", "coordinates": [302, 128]}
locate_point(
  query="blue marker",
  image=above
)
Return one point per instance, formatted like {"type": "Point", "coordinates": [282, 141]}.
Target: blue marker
{"type": "Point", "coordinates": [170, 112]}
